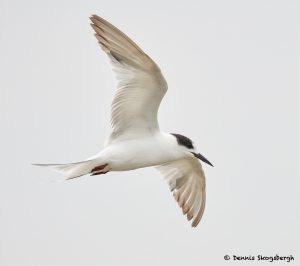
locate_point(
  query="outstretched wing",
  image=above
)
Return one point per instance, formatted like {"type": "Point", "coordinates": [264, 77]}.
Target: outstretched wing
{"type": "Point", "coordinates": [187, 182]}
{"type": "Point", "coordinates": [141, 85]}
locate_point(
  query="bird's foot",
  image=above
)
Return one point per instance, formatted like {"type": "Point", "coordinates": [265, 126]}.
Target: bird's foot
{"type": "Point", "coordinates": [98, 170]}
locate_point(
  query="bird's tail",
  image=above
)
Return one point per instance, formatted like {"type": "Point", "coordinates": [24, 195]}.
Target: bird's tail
{"type": "Point", "coordinates": [73, 170]}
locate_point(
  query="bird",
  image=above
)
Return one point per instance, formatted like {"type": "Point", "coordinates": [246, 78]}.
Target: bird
{"type": "Point", "coordinates": [136, 140]}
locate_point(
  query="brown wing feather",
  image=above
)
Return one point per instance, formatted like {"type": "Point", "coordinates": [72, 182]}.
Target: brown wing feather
{"type": "Point", "coordinates": [187, 181]}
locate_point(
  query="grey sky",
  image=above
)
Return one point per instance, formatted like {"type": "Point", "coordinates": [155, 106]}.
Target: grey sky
{"type": "Point", "coordinates": [233, 73]}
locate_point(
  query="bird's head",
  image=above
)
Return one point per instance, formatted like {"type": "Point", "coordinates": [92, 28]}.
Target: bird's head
{"type": "Point", "coordinates": [188, 145]}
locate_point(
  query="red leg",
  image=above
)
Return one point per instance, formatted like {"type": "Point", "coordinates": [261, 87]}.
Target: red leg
{"type": "Point", "coordinates": [99, 173]}
{"type": "Point", "coordinates": [98, 168]}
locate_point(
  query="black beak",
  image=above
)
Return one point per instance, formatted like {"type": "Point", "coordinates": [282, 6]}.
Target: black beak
{"type": "Point", "coordinates": [202, 158]}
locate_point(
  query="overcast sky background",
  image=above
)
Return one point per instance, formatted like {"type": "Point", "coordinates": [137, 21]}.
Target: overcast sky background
{"type": "Point", "coordinates": [233, 74]}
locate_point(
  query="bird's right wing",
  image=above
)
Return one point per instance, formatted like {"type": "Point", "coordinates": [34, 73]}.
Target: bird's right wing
{"type": "Point", "coordinates": [141, 85]}
{"type": "Point", "coordinates": [186, 180]}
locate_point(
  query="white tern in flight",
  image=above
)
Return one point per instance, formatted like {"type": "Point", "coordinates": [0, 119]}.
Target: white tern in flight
{"type": "Point", "coordinates": [135, 140]}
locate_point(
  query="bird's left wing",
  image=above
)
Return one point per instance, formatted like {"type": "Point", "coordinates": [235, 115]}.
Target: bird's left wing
{"type": "Point", "coordinates": [186, 180]}
{"type": "Point", "coordinates": [141, 86]}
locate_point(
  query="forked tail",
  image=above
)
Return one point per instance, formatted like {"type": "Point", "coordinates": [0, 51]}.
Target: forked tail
{"type": "Point", "coordinates": [74, 170]}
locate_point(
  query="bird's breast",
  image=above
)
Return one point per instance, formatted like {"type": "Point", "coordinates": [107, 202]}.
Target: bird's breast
{"type": "Point", "coordinates": [133, 154]}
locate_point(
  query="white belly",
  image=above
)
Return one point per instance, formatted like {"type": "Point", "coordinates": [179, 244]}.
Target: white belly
{"type": "Point", "coordinates": [133, 154]}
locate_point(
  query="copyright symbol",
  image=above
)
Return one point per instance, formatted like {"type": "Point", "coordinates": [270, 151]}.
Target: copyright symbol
{"type": "Point", "coordinates": [226, 257]}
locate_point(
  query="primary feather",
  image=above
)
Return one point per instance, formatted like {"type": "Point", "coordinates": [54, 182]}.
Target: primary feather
{"type": "Point", "coordinates": [186, 180]}
{"type": "Point", "coordinates": [141, 86]}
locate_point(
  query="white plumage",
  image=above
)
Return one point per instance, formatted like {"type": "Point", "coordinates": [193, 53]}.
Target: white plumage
{"type": "Point", "coordinates": [136, 140]}
{"type": "Point", "coordinates": [141, 85]}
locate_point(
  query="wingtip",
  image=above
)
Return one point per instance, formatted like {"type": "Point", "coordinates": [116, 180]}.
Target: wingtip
{"type": "Point", "coordinates": [196, 222]}
{"type": "Point", "coordinates": [93, 18]}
